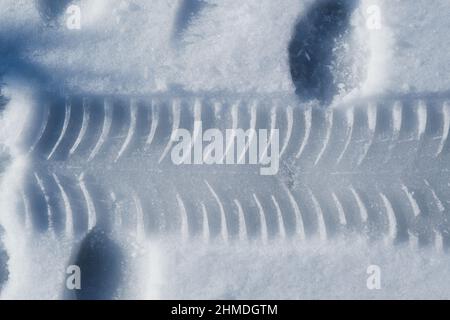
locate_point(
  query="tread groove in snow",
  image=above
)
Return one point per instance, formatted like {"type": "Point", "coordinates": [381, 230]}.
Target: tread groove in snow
{"type": "Point", "coordinates": [338, 170]}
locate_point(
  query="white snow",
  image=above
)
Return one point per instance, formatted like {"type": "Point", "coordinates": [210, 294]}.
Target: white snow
{"type": "Point", "coordinates": [232, 46]}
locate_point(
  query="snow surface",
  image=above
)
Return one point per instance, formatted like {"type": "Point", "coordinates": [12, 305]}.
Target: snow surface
{"type": "Point", "coordinates": [231, 46]}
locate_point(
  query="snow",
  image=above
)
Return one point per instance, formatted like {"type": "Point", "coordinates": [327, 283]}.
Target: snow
{"type": "Point", "coordinates": [133, 47]}
{"type": "Point", "coordinates": [420, 61]}
{"type": "Point", "coordinates": [336, 270]}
